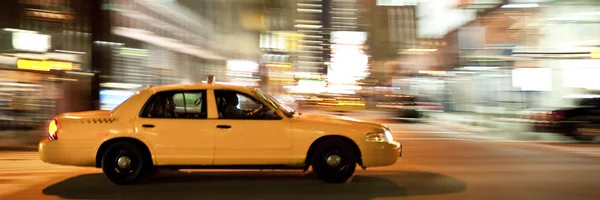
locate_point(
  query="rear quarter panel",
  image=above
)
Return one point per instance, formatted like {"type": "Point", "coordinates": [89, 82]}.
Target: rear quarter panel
{"type": "Point", "coordinates": [83, 133]}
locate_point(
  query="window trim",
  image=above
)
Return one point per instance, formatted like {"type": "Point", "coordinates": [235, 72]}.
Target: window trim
{"type": "Point", "coordinates": [185, 104]}
{"type": "Point", "coordinates": [204, 91]}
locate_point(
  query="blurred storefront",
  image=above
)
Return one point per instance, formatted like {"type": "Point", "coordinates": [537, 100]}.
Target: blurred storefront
{"type": "Point", "coordinates": [565, 45]}
{"type": "Point", "coordinates": [407, 38]}
{"type": "Point", "coordinates": [45, 52]}
{"type": "Point", "coordinates": [530, 53]}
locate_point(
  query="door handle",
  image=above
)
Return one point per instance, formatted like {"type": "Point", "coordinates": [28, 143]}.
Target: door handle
{"type": "Point", "coordinates": [148, 126]}
{"type": "Point", "coordinates": [224, 126]}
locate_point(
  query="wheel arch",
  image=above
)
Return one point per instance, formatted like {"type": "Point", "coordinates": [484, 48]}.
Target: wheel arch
{"type": "Point", "coordinates": [107, 143]}
{"type": "Point", "coordinates": [309, 153]}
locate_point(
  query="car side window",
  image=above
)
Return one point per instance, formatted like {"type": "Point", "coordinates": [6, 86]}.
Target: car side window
{"type": "Point", "coordinates": [176, 104]}
{"type": "Point", "coordinates": [237, 105]}
{"type": "Point", "coordinates": [246, 103]}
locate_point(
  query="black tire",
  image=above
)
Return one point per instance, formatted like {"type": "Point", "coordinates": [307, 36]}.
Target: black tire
{"type": "Point", "coordinates": [334, 147]}
{"type": "Point", "coordinates": [139, 166]}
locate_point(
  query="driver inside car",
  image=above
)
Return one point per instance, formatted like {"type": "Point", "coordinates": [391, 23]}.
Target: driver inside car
{"type": "Point", "coordinates": [232, 112]}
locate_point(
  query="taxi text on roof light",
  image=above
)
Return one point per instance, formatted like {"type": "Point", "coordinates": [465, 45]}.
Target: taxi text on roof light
{"type": "Point", "coordinates": [211, 79]}
{"type": "Point", "coordinates": [43, 65]}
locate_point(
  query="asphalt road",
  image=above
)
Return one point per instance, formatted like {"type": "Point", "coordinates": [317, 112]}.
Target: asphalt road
{"type": "Point", "coordinates": [437, 164]}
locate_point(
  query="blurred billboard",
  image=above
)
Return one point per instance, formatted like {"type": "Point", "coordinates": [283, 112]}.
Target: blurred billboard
{"type": "Point", "coordinates": [349, 62]}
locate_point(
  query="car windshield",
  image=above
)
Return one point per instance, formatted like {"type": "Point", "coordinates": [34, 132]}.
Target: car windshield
{"type": "Point", "coordinates": [275, 103]}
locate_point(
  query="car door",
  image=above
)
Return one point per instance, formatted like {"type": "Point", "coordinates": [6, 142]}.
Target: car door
{"type": "Point", "coordinates": [250, 140]}
{"type": "Point", "coordinates": [175, 124]}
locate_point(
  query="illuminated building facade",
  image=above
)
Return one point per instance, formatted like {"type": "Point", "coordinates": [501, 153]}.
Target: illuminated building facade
{"type": "Point", "coordinates": [347, 49]}
{"type": "Point", "coordinates": [311, 21]}
{"type": "Point", "coordinates": [45, 59]}
{"type": "Point", "coordinates": [536, 53]}
{"type": "Point", "coordinates": [142, 43]}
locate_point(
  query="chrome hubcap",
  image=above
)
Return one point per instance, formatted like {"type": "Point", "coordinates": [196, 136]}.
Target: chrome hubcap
{"type": "Point", "coordinates": [124, 162]}
{"type": "Point", "coordinates": [333, 160]}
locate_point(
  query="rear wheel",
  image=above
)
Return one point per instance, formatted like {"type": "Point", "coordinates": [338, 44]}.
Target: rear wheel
{"type": "Point", "coordinates": [124, 163]}
{"type": "Point", "coordinates": [334, 160]}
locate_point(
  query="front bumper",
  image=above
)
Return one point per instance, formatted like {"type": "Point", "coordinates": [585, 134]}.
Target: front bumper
{"type": "Point", "coordinates": [377, 154]}
{"type": "Point", "coordinates": [58, 152]}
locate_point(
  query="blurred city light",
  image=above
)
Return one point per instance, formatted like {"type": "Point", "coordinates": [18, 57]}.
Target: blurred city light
{"type": "Point", "coordinates": [30, 41]}
{"type": "Point", "coordinates": [481, 57]}
{"type": "Point", "coordinates": [524, 5]}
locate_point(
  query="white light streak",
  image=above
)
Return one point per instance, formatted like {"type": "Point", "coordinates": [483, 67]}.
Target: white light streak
{"type": "Point", "coordinates": [524, 5]}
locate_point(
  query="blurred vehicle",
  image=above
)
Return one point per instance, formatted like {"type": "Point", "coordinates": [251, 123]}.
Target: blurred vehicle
{"type": "Point", "coordinates": [333, 103]}
{"type": "Point", "coordinates": [309, 101]}
{"type": "Point", "coordinates": [581, 121]}
{"type": "Point", "coordinates": [343, 104]}
{"type": "Point", "coordinates": [167, 127]}
{"type": "Point", "coordinates": [409, 106]}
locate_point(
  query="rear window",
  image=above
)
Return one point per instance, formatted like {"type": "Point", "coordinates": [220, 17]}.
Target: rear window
{"type": "Point", "coordinates": [176, 104]}
{"type": "Point", "coordinates": [124, 102]}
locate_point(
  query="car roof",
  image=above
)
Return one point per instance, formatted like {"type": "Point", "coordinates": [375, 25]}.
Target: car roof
{"type": "Point", "coordinates": [202, 86]}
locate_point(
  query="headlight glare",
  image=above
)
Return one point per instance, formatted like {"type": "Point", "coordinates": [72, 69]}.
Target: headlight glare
{"type": "Point", "coordinates": [379, 137]}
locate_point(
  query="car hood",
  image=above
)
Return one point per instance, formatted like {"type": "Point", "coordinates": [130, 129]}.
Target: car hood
{"type": "Point", "coordinates": [332, 120]}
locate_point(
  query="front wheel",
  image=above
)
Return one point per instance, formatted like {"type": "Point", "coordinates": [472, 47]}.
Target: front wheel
{"type": "Point", "coordinates": [124, 163]}
{"type": "Point", "coordinates": [334, 160]}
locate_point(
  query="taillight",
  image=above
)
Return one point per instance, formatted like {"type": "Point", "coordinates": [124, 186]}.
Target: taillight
{"type": "Point", "coordinates": [559, 115]}
{"type": "Point", "coordinates": [53, 129]}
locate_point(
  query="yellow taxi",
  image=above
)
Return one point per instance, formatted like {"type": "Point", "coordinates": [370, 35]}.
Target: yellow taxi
{"type": "Point", "coordinates": [214, 126]}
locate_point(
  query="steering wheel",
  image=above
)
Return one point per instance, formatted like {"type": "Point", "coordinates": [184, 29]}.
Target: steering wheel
{"type": "Point", "coordinates": [260, 111]}
{"type": "Point", "coordinates": [197, 102]}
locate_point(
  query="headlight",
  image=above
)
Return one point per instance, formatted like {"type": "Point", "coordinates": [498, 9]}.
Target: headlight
{"type": "Point", "coordinates": [386, 136]}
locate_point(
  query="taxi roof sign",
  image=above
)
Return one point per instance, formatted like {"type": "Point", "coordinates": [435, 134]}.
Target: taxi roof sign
{"type": "Point", "coordinates": [211, 79]}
